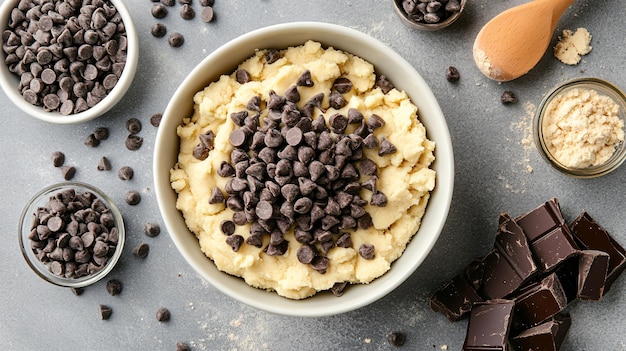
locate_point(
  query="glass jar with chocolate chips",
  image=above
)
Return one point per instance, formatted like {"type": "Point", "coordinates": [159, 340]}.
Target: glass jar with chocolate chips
{"type": "Point", "coordinates": [71, 234]}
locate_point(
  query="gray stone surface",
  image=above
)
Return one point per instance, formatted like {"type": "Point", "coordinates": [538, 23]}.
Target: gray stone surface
{"type": "Point", "coordinates": [497, 169]}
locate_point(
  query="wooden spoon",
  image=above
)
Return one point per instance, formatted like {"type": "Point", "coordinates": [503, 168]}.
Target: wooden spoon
{"type": "Point", "coordinates": [512, 43]}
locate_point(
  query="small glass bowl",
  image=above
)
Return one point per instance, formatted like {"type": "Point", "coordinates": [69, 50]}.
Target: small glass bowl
{"type": "Point", "coordinates": [28, 219]}
{"type": "Point", "coordinates": [427, 27]}
{"type": "Point", "coordinates": [603, 88]}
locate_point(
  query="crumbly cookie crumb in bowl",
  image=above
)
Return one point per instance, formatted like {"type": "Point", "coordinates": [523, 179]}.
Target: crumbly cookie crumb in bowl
{"type": "Point", "coordinates": [387, 63]}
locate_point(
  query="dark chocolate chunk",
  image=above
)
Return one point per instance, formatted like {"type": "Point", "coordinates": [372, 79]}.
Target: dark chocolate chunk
{"type": "Point", "coordinates": [78, 291]}
{"type": "Point", "coordinates": [591, 236]}
{"type": "Point", "coordinates": [537, 302]}
{"type": "Point", "coordinates": [367, 251]}
{"type": "Point", "coordinates": [455, 299]}
{"type": "Point", "coordinates": [593, 268]}
{"type": "Point", "coordinates": [104, 164]}
{"type": "Point", "coordinates": [548, 336]}
{"type": "Point", "coordinates": [105, 312]}
{"type": "Point", "coordinates": [489, 326]}
{"type": "Point", "coordinates": [68, 172]}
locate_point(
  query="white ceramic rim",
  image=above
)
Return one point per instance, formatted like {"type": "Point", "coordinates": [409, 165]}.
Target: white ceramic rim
{"type": "Point", "coordinates": [10, 81]}
{"type": "Point", "coordinates": [374, 51]}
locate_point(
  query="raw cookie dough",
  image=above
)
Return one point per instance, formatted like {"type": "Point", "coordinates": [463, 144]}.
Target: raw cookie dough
{"type": "Point", "coordinates": [405, 177]}
{"type": "Point", "coordinates": [572, 45]}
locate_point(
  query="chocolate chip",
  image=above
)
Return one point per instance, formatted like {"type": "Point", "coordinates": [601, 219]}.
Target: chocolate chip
{"type": "Point", "coordinates": [133, 125]}
{"type": "Point", "coordinates": [151, 229]}
{"type": "Point", "coordinates": [141, 250]}
{"type": "Point", "coordinates": [180, 346]}
{"type": "Point", "coordinates": [306, 253]}
{"type": "Point", "coordinates": [378, 199]}
{"type": "Point", "coordinates": [384, 84]}
{"type": "Point", "coordinates": [227, 227]}
{"type": "Point", "coordinates": [92, 141]}
{"type": "Point", "coordinates": [133, 197]}
{"type": "Point", "coordinates": [163, 314]}
{"type": "Point", "coordinates": [452, 74]}
{"type": "Point", "coordinates": [338, 288]}
{"type": "Point", "coordinates": [207, 14]}
{"type": "Point", "coordinates": [242, 76]}
{"type": "Point", "coordinates": [176, 40]}
{"type": "Point", "coordinates": [342, 85]}
{"type": "Point", "coordinates": [216, 196]}
{"type": "Point", "coordinates": [158, 11]}
{"type": "Point", "coordinates": [114, 287]}
{"type": "Point", "coordinates": [272, 55]}
{"type": "Point", "coordinates": [336, 100]}
{"type": "Point", "coordinates": [125, 173]}
{"type": "Point", "coordinates": [508, 97]}
{"type": "Point", "coordinates": [78, 291]}
{"type": "Point", "coordinates": [396, 339]}
{"type": "Point", "coordinates": [158, 30]}
{"type": "Point", "coordinates": [367, 251]}
{"type": "Point", "coordinates": [68, 172]}
{"type": "Point", "coordinates": [101, 133]}
{"type": "Point", "coordinates": [133, 142]}
{"type": "Point", "coordinates": [235, 241]}
{"type": "Point", "coordinates": [375, 121]}
{"type": "Point", "coordinates": [305, 79]}
{"type": "Point", "coordinates": [105, 312]}
{"type": "Point", "coordinates": [58, 158]}
{"type": "Point", "coordinates": [155, 119]}
{"type": "Point", "coordinates": [104, 164]}
{"type": "Point", "coordinates": [386, 147]}
{"type": "Point", "coordinates": [320, 264]}
{"type": "Point", "coordinates": [338, 123]}
{"type": "Point", "coordinates": [187, 12]}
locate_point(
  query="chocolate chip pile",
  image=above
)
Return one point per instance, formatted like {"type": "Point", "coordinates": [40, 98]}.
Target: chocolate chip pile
{"type": "Point", "coordinates": [159, 10]}
{"type": "Point", "coordinates": [74, 234]}
{"type": "Point", "coordinates": [430, 11]}
{"type": "Point", "coordinates": [299, 171]}
{"type": "Point", "coordinates": [68, 54]}
{"type": "Point", "coordinates": [516, 295]}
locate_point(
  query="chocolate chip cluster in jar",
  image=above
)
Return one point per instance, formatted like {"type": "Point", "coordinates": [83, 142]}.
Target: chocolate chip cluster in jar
{"type": "Point", "coordinates": [303, 170]}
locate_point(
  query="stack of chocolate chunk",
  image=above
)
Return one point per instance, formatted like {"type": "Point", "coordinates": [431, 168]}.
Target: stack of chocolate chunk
{"type": "Point", "coordinates": [515, 296]}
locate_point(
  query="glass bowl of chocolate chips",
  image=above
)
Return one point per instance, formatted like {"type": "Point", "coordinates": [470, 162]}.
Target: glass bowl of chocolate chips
{"type": "Point", "coordinates": [71, 234]}
{"type": "Point", "coordinates": [67, 61]}
{"type": "Point", "coordinates": [428, 15]}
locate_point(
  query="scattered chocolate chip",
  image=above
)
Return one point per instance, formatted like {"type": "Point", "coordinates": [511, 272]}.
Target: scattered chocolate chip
{"type": "Point", "coordinates": [508, 97]}
{"type": "Point", "coordinates": [187, 12]}
{"type": "Point", "coordinates": [180, 346]}
{"type": "Point", "coordinates": [452, 74]}
{"type": "Point", "coordinates": [158, 30]}
{"type": "Point", "coordinates": [396, 339]}
{"type": "Point", "coordinates": [163, 314]}
{"type": "Point", "coordinates": [158, 11]}
{"type": "Point", "coordinates": [78, 291]}
{"type": "Point", "coordinates": [141, 250]}
{"type": "Point", "coordinates": [155, 119]}
{"type": "Point", "coordinates": [151, 229]}
{"type": "Point", "coordinates": [58, 159]}
{"type": "Point", "coordinates": [133, 142]}
{"type": "Point", "coordinates": [101, 133]}
{"type": "Point", "coordinates": [92, 141]}
{"type": "Point", "coordinates": [114, 287]}
{"type": "Point", "coordinates": [176, 40]}
{"type": "Point", "coordinates": [126, 173]}
{"type": "Point", "coordinates": [206, 2]}
{"type": "Point", "coordinates": [207, 14]}
{"type": "Point", "coordinates": [133, 197]}
{"type": "Point", "coordinates": [68, 172]}
{"type": "Point", "coordinates": [133, 125]}
{"type": "Point", "coordinates": [104, 164]}
{"type": "Point", "coordinates": [105, 312]}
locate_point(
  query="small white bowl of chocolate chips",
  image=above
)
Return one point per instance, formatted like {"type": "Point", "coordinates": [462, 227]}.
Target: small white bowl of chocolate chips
{"type": "Point", "coordinates": [67, 61]}
{"type": "Point", "coordinates": [304, 169]}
